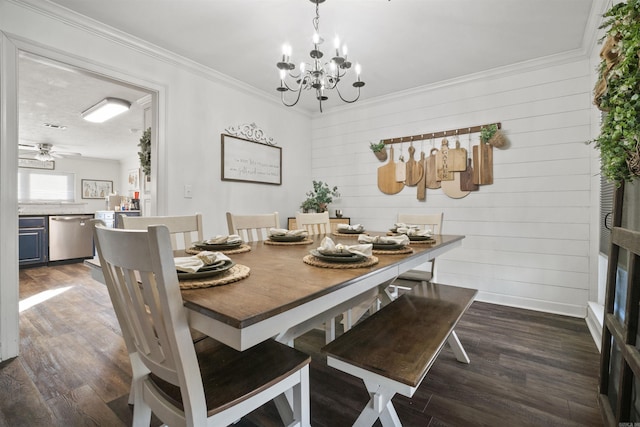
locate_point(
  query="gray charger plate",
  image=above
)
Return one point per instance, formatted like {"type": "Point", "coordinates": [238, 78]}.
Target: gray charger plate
{"type": "Point", "coordinates": [206, 271]}
{"type": "Point", "coordinates": [342, 258]}
{"type": "Point", "coordinates": [419, 238]}
{"type": "Point", "coordinates": [217, 247]}
{"type": "Point", "coordinates": [287, 238]}
{"type": "Point", "coordinates": [350, 231]}
{"type": "Point", "coordinates": [387, 246]}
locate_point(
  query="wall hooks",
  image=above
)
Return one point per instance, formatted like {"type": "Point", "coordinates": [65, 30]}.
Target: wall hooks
{"type": "Point", "coordinates": [444, 133]}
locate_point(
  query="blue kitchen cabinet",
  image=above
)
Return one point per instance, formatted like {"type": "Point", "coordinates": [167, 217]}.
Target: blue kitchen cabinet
{"type": "Point", "coordinates": [32, 241]}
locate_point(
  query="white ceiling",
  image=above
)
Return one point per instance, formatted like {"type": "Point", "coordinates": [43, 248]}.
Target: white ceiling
{"type": "Point", "coordinates": [401, 44]}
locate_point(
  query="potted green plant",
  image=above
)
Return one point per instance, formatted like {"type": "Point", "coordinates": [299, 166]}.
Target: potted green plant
{"type": "Point", "coordinates": [319, 198]}
{"type": "Point", "coordinates": [487, 132]}
{"type": "Point", "coordinates": [379, 149]}
{"type": "Point", "coordinates": [617, 93]}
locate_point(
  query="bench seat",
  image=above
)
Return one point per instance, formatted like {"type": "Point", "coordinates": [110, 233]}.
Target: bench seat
{"type": "Point", "coordinates": [393, 349]}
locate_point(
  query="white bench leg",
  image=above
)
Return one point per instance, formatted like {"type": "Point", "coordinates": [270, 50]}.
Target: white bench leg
{"type": "Point", "coordinates": [457, 348]}
{"type": "Point", "coordinates": [379, 406]}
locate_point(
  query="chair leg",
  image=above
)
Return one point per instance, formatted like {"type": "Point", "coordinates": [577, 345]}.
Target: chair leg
{"type": "Point", "coordinates": [329, 330]}
{"type": "Point", "coordinates": [141, 411]}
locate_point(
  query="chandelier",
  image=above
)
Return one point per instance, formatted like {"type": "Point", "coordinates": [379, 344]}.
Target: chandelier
{"type": "Point", "coordinates": [317, 75]}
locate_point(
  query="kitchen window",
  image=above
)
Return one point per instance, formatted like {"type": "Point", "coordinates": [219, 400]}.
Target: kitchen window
{"type": "Point", "coordinates": [40, 186]}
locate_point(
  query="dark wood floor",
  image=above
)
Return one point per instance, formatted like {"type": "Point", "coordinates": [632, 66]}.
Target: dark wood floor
{"type": "Point", "coordinates": [527, 368]}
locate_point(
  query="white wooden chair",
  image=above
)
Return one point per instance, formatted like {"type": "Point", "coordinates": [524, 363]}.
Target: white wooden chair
{"type": "Point", "coordinates": [185, 230]}
{"type": "Point", "coordinates": [314, 223]}
{"type": "Point", "coordinates": [425, 221]}
{"type": "Point", "coordinates": [184, 383]}
{"type": "Point", "coordinates": [252, 228]}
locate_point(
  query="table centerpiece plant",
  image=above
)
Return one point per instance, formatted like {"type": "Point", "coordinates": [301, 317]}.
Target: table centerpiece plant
{"type": "Point", "coordinates": [617, 93]}
{"type": "Point", "coordinates": [320, 197]}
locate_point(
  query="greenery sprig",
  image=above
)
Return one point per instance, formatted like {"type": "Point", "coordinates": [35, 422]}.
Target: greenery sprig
{"type": "Point", "coordinates": [617, 93]}
{"type": "Point", "coordinates": [145, 152]}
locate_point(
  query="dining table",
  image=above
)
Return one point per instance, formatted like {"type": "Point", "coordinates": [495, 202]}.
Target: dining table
{"type": "Point", "coordinates": [284, 297]}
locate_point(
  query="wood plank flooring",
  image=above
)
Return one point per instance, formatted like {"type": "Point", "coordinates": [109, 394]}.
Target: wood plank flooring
{"type": "Point", "coordinates": [527, 368]}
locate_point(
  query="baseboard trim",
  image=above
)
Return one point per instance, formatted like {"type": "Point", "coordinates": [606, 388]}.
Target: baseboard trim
{"type": "Point", "coordinates": [533, 304]}
{"type": "Point", "coordinates": [595, 322]}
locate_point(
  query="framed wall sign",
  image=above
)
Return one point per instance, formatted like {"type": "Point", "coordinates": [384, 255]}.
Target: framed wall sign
{"type": "Point", "coordinates": [249, 161]}
{"type": "Point", "coordinates": [96, 189]}
{"type": "Point", "coordinates": [36, 164]}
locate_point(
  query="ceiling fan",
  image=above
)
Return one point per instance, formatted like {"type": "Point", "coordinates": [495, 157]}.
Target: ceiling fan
{"type": "Point", "coordinates": [45, 152]}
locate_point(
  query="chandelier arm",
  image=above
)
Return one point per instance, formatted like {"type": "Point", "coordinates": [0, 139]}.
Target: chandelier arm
{"type": "Point", "coordinates": [296, 101]}
{"type": "Point", "coordinates": [346, 100]}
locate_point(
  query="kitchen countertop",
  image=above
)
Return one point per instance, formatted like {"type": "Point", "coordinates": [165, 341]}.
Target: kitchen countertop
{"type": "Point", "coordinates": [54, 209]}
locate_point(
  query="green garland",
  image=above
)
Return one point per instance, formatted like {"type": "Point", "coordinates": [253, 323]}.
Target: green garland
{"type": "Point", "coordinates": [145, 152]}
{"type": "Point", "coordinates": [617, 93]}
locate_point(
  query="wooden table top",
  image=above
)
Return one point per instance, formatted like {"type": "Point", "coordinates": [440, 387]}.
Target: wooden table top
{"type": "Point", "coordinates": [280, 281]}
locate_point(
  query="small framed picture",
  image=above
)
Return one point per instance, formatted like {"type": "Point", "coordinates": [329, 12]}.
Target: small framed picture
{"type": "Point", "coordinates": [134, 180]}
{"type": "Point", "coordinates": [96, 189]}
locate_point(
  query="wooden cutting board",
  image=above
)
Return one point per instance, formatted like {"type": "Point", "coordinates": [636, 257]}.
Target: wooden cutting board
{"type": "Point", "coordinates": [431, 170]}
{"type": "Point", "coordinates": [452, 187]}
{"type": "Point", "coordinates": [414, 171]}
{"type": "Point", "coordinates": [443, 168]}
{"type": "Point", "coordinates": [482, 164]}
{"type": "Point", "coordinates": [457, 158]}
{"type": "Point", "coordinates": [422, 184]}
{"type": "Point", "coordinates": [387, 176]}
{"type": "Point", "coordinates": [466, 178]}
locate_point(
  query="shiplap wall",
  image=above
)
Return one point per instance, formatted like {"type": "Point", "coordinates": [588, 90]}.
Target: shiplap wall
{"type": "Point", "coordinates": [527, 235]}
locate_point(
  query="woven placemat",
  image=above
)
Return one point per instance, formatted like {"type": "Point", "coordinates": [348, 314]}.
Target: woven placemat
{"type": "Point", "coordinates": [242, 248]}
{"type": "Point", "coordinates": [311, 260]}
{"type": "Point", "coordinates": [405, 250]}
{"type": "Point", "coordinates": [422, 242]}
{"type": "Point", "coordinates": [301, 242]}
{"type": "Point", "coordinates": [235, 273]}
{"type": "Point", "coordinates": [338, 234]}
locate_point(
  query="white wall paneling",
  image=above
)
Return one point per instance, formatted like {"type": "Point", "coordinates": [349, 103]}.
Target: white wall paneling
{"type": "Point", "coordinates": [528, 234]}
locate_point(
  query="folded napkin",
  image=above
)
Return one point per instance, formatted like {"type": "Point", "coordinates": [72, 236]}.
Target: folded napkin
{"type": "Point", "coordinates": [285, 232]}
{"type": "Point", "coordinates": [348, 227]}
{"type": "Point", "coordinates": [401, 239]}
{"type": "Point", "coordinates": [191, 264]}
{"type": "Point", "coordinates": [219, 240]}
{"type": "Point", "coordinates": [414, 231]}
{"type": "Point", "coordinates": [328, 247]}
{"type": "Point", "coordinates": [403, 225]}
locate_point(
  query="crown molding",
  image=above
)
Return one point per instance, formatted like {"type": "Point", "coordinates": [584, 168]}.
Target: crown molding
{"type": "Point", "coordinates": [99, 29]}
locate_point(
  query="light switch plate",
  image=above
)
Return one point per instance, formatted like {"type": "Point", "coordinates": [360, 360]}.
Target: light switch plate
{"type": "Point", "coordinates": [188, 192]}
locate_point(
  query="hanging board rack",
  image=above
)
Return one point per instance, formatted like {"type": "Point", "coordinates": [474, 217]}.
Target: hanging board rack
{"type": "Point", "coordinates": [440, 134]}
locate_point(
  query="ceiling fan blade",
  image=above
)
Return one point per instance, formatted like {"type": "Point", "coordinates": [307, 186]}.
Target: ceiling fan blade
{"type": "Point", "coordinates": [28, 147]}
{"type": "Point", "coordinates": [65, 154]}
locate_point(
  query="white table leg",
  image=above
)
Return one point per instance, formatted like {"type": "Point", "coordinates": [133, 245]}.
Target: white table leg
{"type": "Point", "coordinates": [457, 348]}
{"type": "Point", "coordinates": [379, 406]}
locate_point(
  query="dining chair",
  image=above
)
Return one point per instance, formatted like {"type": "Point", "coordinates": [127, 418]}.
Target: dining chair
{"type": "Point", "coordinates": [184, 383]}
{"type": "Point", "coordinates": [252, 228]}
{"type": "Point", "coordinates": [425, 221]}
{"type": "Point", "coordinates": [314, 223]}
{"type": "Point", "coordinates": [184, 229]}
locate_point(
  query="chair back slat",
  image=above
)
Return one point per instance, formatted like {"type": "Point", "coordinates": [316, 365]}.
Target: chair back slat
{"type": "Point", "coordinates": [143, 285]}
{"type": "Point", "coordinates": [184, 230]}
{"type": "Point", "coordinates": [314, 223]}
{"type": "Point", "coordinates": [252, 228]}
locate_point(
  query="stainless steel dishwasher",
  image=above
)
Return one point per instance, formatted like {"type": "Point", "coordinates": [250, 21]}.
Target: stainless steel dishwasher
{"type": "Point", "coordinates": [70, 237]}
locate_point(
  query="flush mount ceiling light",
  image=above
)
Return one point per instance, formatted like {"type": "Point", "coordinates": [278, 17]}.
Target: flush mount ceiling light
{"type": "Point", "coordinates": [317, 75]}
{"type": "Point", "coordinates": [105, 109]}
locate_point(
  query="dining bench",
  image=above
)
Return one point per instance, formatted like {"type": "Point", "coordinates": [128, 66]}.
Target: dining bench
{"type": "Point", "coordinates": [393, 349]}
